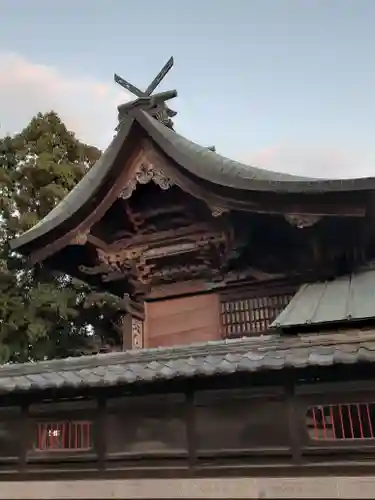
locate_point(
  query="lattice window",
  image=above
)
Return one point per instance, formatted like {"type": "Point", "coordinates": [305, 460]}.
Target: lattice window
{"type": "Point", "coordinates": [64, 436]}
{"type": "Point", "coordinates": [252, 315]}
{"type": "Point", "coordinates": [341, 422]}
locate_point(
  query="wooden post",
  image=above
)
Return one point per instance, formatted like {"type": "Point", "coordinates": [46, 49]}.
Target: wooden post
{"type": "Point", "coordinates": [132, 333]}
{"type": "Point", "coordinates": [132, 325]}
{"type": "Point", "coordinates": [126, 328]}
{"type": "Point", "coordinates": [137, 333]}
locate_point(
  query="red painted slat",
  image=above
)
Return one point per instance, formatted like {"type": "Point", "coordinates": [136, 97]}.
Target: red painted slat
{"type": "Point", "coordinates": [360, 421]}
{"type": "Point", "coordinates": [347, 421]}
{"type": "Point", "coordinates": [65, 435]}
{"type": "Point", "coordinates": [323, 422]}
{"type": "Point", "coordinates": [369, 420]}
{"type": "Point", "coordinates": [332, 422]}
{"type": "Point", "coordinates": [350, 420]}
{"type": "Point", "coordinates": [341, 422]}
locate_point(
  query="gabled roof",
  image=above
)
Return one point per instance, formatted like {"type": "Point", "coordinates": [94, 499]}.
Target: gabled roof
{"type": "Point", "coordinates": [350, 297]}
{"type": "Point", "coordinates": [193, 164]}
{"type": "Point", "coordinates": [266, 353]}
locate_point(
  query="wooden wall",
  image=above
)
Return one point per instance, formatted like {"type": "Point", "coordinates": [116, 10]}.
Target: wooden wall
{"type": "Point", "coordinates": [182, 320]}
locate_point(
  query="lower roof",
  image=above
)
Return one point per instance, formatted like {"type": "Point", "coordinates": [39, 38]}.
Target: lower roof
{"type": "Point", "coordinates": [345, 298]}
{"type": "Point", "coordinates": [273, 352]}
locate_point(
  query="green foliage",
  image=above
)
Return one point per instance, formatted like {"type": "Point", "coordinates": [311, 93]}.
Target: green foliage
{"type": "Point", "coordinates": [44, 314]}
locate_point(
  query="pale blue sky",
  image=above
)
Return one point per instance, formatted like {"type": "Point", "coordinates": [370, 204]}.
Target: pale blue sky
{"type": "Point", "coordinates": [264, 80]}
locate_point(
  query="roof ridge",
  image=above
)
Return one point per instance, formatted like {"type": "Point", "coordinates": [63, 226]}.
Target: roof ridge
{"type": "Point", "coordinates": [140, 355]}
{"type": "Point", "coordinates": [261, 344]}
{"type": "Point", "coordinates": [272, 354]}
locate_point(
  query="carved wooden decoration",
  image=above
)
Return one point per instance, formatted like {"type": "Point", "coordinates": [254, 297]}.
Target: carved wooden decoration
{"type": "Point", "coordinates": [80, 238]}
{"type": "Point", "coordinates": [145, 174]}
{"type": "Point", "coordinates": [302, 221]}
{"type": "Point", "coordinates": [137, 333]}
{"type": "Point", "coordinates": [189, 251]}
{"type": "Point", "coordinates": [218, 211]}
{"type": "Point", "coordinates": [155, 239]}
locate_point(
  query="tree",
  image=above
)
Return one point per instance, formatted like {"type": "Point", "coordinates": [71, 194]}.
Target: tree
{"type": "Point", "coordinates": [44, 314]}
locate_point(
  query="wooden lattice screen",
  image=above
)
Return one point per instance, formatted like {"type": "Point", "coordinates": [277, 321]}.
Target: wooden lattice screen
{"type": "Point", "coordinates": [252, 315]}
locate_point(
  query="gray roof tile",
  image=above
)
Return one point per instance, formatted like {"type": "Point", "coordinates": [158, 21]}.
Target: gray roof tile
{"type": "Point", "coordinates": [347, 297]}
{"type": "Point", "coordinates": [215, 358]}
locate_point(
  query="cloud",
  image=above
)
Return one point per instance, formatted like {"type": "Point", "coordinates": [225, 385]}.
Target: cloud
{"type": "Point", "coordinates": [317, 161]}
{"type": "Point", "coordinates": [88, 107]}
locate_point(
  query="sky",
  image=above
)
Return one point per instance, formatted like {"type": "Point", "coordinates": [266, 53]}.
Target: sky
{"type": "Point", "coordinates": [286, 85]}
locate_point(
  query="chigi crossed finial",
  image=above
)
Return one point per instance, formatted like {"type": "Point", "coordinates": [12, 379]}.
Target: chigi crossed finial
{"type": "Point", "coordinates": [155, 104]}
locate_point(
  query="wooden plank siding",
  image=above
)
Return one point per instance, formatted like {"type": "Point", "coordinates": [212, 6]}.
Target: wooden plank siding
{"type": "Point", "coordinates": [183, 320]}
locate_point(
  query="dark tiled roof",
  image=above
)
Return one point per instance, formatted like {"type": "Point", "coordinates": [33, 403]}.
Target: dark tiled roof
{"type": "Point", "coordinates": [213, 358]}
{"type": "Point", "coordinates": [198, 160]}
{"type": "Point", "coordinates": [210, 166]}
{"type": "Point", "coordinates": [350, 297]}
{"type": "Point", "coordinates": [80, 194]}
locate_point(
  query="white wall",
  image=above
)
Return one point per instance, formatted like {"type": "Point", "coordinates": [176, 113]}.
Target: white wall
{"type": "Point", "coordinates": [311, 487]}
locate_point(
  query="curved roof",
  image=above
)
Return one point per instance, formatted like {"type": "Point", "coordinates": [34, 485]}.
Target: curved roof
{"type": "Point", "coordinates": [194, 159]}
{"type": "Point", "coordinates": [80, 194]}
{"type": "Point", "coordinates": [212, 167]}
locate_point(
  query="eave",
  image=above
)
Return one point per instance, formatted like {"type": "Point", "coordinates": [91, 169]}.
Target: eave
{"type": "Point", "coordinates": [207, 165]}
{"type": "Point", "coordinates": [87, 202]}
{"type": "Point", "coordinates": [222, 183]}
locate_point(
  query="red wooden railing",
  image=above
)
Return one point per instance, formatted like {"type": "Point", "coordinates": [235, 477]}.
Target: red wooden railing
{"type": "Point", "coordinates": [342, 421]}
{"type": "Point", "coordinates": [66, 435]}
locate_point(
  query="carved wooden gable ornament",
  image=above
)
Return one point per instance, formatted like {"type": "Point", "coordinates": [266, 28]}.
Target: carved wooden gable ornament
{"type": "Point", "coordinates": [144, 174]}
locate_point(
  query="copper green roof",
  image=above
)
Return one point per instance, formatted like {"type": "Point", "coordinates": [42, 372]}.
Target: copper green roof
{"type": "Point", "coordinates": [346, 298]}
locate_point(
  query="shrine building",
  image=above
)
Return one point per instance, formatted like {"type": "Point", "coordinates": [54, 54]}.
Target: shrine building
{"type": "Point", "coordinates": [248, 343]}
